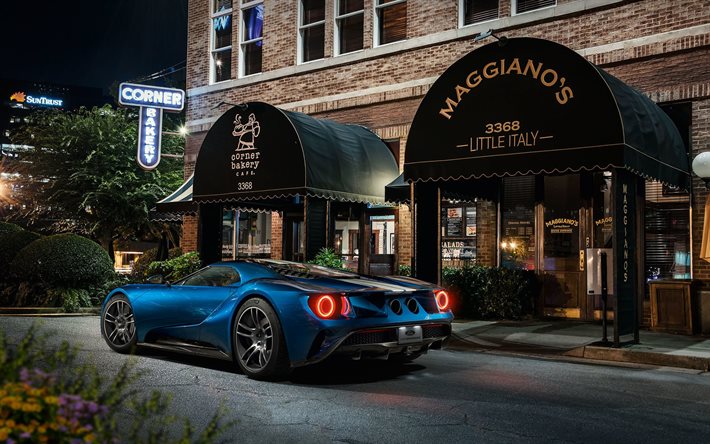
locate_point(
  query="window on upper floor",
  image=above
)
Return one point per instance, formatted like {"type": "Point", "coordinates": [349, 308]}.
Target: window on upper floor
{"type": "Point", "coordinates": [349, 19]}
{"type": "Point", "coordinates": [390, 21]}
{"type": "Point", "coordinates": [221, 45]}
{"type": "Point", "coordinates": [520, 6]}
{"type": "Point", "coordinates": [476, 11]}
{"type": "Point", "coordinates": [311, 30]}
{"type": "Point", "coordinates": [251, 37]}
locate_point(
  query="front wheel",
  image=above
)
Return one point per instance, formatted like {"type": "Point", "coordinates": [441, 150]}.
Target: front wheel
{"type": "Point", "coordinates": [259, 345]}
{"type": "Point", "coordinates": [118, 326]}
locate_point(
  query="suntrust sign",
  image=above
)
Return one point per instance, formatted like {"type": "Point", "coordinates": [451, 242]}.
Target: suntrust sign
{"type": "Point", "coordinates": [152, 100]}
{"type": "Point", "coordinates": [21, 97]}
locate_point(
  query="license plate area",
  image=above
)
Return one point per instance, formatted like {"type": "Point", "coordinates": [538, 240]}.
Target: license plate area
{"type": "Point", "coordinates": [409, 334]}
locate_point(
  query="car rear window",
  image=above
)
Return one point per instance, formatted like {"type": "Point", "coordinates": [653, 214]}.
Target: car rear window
{"type": "Point", "coordinates": [296, 269]}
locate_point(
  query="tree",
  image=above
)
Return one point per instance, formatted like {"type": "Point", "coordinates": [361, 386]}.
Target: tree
{"type": "Point", "coordinates": [84, 174]}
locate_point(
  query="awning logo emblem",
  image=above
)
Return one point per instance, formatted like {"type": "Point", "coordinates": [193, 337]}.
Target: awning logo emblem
{"type": "Point", "coordinates": [247, 132]}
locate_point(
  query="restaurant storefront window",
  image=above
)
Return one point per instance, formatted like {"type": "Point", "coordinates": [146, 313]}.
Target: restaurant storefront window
{"type": "Point", "coordinates": [252, 233]}
{"type": "Point", "coordinates": [517, 243]}
{"type": "Point", "coordinates": [667, 225]}
{"type": "Point", "coordinates": [458, 233]}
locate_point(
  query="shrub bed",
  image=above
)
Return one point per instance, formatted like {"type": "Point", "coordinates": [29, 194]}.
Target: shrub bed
{"type": "Point", "coordinates": [140, 266]}
{"type": "Point", "coordinates": [176, 268]}
{"type": "Point", "coordinates": [491, 293]}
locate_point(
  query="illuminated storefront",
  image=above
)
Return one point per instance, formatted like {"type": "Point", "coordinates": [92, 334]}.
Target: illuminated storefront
{"type": "Point", "coordinates": [573, 161]}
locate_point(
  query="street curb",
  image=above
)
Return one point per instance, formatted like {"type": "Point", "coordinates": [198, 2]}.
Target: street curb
{"type": "Point", "coordinates": [46, 311]}
{"type": "Point", "coordinates": [640, 357]}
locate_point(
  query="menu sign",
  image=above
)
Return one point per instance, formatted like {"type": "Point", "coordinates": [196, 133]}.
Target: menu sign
{"type": "Point", "coordinates": [453, 222]}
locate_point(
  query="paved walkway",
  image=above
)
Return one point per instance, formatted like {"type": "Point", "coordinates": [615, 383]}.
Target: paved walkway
{"type": "Point", "coordinates": [581, 340]}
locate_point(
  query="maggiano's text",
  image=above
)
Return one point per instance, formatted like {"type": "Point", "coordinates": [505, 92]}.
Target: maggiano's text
{"type": "Point", "coordinates": [548, 77]}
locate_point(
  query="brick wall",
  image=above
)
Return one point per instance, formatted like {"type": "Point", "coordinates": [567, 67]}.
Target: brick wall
{"type": "Point", "coordinates": [188, 241]}
{"type": "Point", "coordinates": [700, 138]}
{"type": "Point", "coordinates": [486, 233]}
{"type": "Point", "coordinates": [276, 235]}
{"type": "Point", "coordinates": [664, 54]}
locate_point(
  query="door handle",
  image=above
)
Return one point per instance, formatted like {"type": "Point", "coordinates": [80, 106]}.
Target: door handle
{"type": "Point", "coordinates": [581, 260]}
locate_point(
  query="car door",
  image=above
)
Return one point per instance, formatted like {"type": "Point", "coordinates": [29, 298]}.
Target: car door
{"type": "Point", "coordinates": [190, 300]}
{"type": "Point", "coordinates": [200, 294]}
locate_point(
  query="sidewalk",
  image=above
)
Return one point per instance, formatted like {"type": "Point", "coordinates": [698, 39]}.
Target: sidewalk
{"type": "Point", "coordinates": [578, 340]}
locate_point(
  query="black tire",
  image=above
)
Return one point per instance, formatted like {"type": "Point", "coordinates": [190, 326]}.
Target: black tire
{"type": "Point", "coordinates": [259, 345]}
{"type": "Point", "coordinates": [118, 325]}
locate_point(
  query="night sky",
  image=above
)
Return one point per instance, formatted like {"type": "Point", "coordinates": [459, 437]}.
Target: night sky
{"type": "Point", "coordinates": [90, 43]}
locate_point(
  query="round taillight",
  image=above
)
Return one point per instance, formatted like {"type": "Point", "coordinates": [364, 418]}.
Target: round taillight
{"type": "Point", "coordinates": [345, 306]}
{"type": "Point", "coordinates": [324, 306]}
{"type": "Point", "coordinates": [442, 300]}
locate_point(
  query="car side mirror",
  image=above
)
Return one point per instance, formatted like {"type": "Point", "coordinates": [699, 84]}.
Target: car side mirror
{"type": "Point", "coordinates": [156, 279]}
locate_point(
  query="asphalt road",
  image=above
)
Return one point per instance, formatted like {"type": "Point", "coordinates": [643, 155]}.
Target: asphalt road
{"type": "Point", "coordinates": [445, 396]}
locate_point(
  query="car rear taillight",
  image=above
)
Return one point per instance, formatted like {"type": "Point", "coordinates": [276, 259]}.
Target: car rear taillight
{"type": "Point", "coordinates": [442, 300]}
{"type": "Point", "coordinates": [326, 306]}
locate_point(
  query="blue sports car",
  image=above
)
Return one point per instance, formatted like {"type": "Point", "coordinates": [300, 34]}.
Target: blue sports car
{"type": "Point", "coordinates": [271, 316]}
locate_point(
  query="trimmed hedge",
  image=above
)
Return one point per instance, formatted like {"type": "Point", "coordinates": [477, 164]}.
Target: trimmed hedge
{"type": "Point", "coordinates": [63, 260]}
{"type": "Point", "coordinates": [12, 242]}
{"type": "Point", "coordinates": [492, 293]}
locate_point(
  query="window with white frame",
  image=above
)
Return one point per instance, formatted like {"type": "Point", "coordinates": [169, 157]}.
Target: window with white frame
{"type": "Point", "coordinates": [520, 6]}
{"type": "Point", "coordinates": [221, 45]}
{"type": "Point", "coordinates": [251, 37]}
{"type": "Point", "coordinates": [311, 30]}
{"type": "Point", "coordinates": [349, 20]}
{"type": "Point", "coordinates": [390, 21]}
{"type": "Point", "coordinates": [476, 11]}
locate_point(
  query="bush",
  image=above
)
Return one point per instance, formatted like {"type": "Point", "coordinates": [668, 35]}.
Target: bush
{"type": "Point", "coordinates": [140, 266]}
{"type": "Point", "coordinates": [12, 242]}
{"type": "Point", "coordinates": [26, 294]}
{"type": "Point", "coordinates": [404, 270]}
{"type": "Point", "coordinates": [63, 260]}
{"type": "Point", "coordinates": [8, 227]}
{"type": "Point", "coordinates": [46, 395]}
{"type": "Point", "coordinates": [491, 293]}
{"type": "Point", "coordinates": [327, 257]}
{"type": "Point", "coordinates": [71, 299]}
{"type": "Point", "coordinates": [98, 293]}
{"type": "Point", "coordinates": [176, 268]}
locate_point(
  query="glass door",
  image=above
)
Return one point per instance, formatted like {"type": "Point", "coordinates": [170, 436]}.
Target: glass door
{"type": "Point", "coordinates": [562, 262]}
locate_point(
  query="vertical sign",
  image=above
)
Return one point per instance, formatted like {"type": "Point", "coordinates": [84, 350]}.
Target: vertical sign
{"type": "Point", "coordinates": [149, 131]}
{"type": "Point", "coordinates": [624, 241]}
{"type": "Point", "coordinates": [152, 100]}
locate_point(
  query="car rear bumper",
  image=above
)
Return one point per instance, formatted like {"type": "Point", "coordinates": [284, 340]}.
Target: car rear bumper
{"type": "Point", "coordinates": [378, 342]}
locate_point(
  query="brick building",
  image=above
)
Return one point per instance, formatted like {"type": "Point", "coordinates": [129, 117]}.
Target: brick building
{"type": "Point", "coordinates": [372, 62]}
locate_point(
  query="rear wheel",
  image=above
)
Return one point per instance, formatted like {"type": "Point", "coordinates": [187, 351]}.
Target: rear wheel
{"type": "Point", "coordinates": [118, 326]}
{"type": "Point", "coordinates": [259, 345]}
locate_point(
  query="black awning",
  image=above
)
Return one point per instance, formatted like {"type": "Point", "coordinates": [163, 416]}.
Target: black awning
{"type": "Point", "coordinates": [530, 106]}
{"type": "Point", "coordinates": [257, 152]}
{"type": "Point", "coordinates": [398, 190]}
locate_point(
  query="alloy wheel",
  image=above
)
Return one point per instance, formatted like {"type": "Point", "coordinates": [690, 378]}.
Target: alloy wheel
{"type": "Point", "coordinates": [254, 338]}
{"type": "Point", "coordinates": [119, 324]}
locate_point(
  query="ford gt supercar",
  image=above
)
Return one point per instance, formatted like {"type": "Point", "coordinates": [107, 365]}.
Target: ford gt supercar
{"type": "Point", "coordinates": [271, 316]}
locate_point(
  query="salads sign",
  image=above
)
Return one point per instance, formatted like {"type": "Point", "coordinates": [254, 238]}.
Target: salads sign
{"type": "Point", "coordinates": [152, 100]}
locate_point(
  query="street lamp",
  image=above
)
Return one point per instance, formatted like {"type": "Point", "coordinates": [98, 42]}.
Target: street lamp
{"type": "Point", "coordinates": [701, 167]}
{"type": "Point", "coordinates": [182, 132]}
